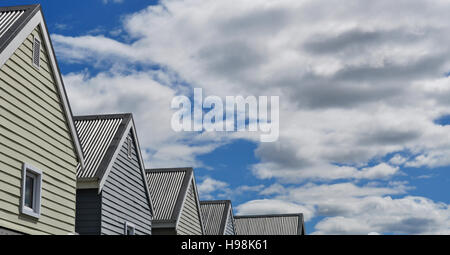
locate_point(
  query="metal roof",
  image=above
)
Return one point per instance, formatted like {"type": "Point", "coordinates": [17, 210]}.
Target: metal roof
{"type": "Point", "coordinates": [99, 137]}
{"type": "Point", "coordinates": [12, 20]}
{"type": "Point", "coordinates": [7, 19]}
{"type": "Point", "coordinates": [168, 187]}
{"type": "Point", "coordinates": [215, 215]}
{"type": "Point", "coordinates": [282, 224]}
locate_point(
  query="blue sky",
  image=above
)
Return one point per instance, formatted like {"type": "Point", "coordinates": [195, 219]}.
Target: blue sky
{"type": "Point", "coordinates": [364, 116]}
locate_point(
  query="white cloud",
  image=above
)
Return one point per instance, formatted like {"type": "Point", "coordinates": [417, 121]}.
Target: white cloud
{"type": "Point", "coordinates": [408, 215]}
{"type": "Point", "coordinates": [210, 185]}
{"type": "Point", "coordinates": [112, 1]}
{"type": "Point", "coordinates": [142, 94]}
{"type": "Point", "coordinates": [352, 209]}
{"type": "Point", "coordinates": [272, 206]}
{"type": "Point", "coordinates": [322, 172]}
{"type": "Point", "coordinates": [355, 84]}
{"type": "Point", "coordinates": [398, 160]}
{"type": "Point", "coordinates": [210, 188]}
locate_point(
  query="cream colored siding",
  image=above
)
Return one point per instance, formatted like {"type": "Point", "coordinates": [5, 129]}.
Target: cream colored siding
{"type": "Point", "coordinates": [34, 130]}
{"type": "Point", "coordinates": [189, 222]}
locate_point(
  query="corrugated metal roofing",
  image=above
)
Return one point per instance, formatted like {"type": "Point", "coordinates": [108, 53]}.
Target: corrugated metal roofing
{"type": "Point", "coordinates": [289, 224]}
{"type": "Point", "coordinates": [7, 19]}
{"type": "Point", "coordinates": [214, 216]}
{"type": "Point", "coordinates": [165, 186]}
{"type": "Point", "coordinates": [12, 20]}
{"type": "Point", "coordinates": [96, 134]}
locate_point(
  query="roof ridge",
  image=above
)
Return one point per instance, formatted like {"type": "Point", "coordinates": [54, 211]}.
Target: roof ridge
{"type": "Point", "coordinates": [103, 116]}
{"type": "Point", "coordinates": [215, 201]}
{"type": "Point", "coordinates": [169, 169]}
{"type": "Point", "coordinates": [18, 7]}
{"type": "Point", "coordinates": [269, 215]}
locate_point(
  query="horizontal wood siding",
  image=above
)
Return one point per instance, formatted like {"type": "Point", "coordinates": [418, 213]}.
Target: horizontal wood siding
{"type": "Point", "coordinates": [34, 131]}
{"type": "Point", "coordinates": [189, 223]}
{"type": "Point", "coordinates": [124, 197]}
{"type": "Point", "coordinates": [88, 212]}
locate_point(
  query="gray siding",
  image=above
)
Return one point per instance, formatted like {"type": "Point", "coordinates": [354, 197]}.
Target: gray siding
{"type": "Point", "coordinates": [189, 223]}
{"type": "Point", "coordinates": [124, 196]}
{"type": "Point", "coordinates": [164, 231]}
{"type": "Point", "coordinates": [88, 212]}
{"type": "Point", "coordinates": [229, 227]}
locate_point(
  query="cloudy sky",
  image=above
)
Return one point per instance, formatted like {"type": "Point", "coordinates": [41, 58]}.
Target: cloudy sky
{"type": "Point", "coordinates": [364, 93]}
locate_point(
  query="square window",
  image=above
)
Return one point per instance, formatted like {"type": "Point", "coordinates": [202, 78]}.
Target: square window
{"type": "Point", "coordinates": [129, 229]}
{"type": "Point", "coordinates": [31, 191]}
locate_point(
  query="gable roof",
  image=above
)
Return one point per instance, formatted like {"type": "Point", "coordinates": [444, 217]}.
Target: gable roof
{"type": "Point", "coordinates": [101, 137]}
{"type": "Point", "coordinates": [16, 23]}
{"type": "Point", "coordinates": [215, 215]}
{"type": "Point", "coordinates": [168, 188]}
{"type": "Point", "coordinates": [273, 224]}
{"type": "Point", "coordinates": [13, 19]}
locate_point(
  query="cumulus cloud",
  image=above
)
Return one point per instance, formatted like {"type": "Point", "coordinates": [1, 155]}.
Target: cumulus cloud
{"type": "Point", "coordinates": [146, 96]}
{"type": "Point", "coordinates": [210, 188]}
{"type": "Point", "coordinates": [112, 1]}
{"type": "Point", "coordinates": [357, 82]}
{"type": "Point", "coordinates": [351, 209]}
{"type": "Point", "coordinates": [408, 215]}
{"type": "Point", "coordinates": [210, 185]}
{"type": "Point", "coordinates": [323, 172]}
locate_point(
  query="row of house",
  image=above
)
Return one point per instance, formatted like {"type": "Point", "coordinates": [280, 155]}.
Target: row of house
{"type": "Point", "coordinates": [65, 174]}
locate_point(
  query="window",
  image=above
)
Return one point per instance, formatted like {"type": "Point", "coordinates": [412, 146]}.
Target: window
{"type": "Point", "coordinates": [129, 229]}
{"type": "Point", "coordinates": [31, 191]}
{"type": "Point", "coordinates": [36, 52]}
{"type": "Point", "coordinates": [130, 147]}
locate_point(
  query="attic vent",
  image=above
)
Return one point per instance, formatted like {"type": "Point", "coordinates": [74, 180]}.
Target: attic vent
{"type": "Point", "coordinates": [36, 52]}
{"type": "Point", "coordinates": [129, 147]}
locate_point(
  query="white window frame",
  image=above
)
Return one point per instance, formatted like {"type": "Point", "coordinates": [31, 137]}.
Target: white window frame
{"type": "Point", "coordinates": [129, 147]}
{"type": "Point", "coordinates": [129, 225]}
{"type": "Point", "coordinates": [34, 212]}
{"type": "Point", "coordinates": [35, 39]}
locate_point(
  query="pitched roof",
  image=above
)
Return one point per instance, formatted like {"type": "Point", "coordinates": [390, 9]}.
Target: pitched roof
{"type": "Point", "coordinates": [168, 189]}
{"type": "Point", "coordinates": [16, 23]}
{"type": "Point", "coordinates": [13, 19]}
{"type": "Point", "coordinates": [281, 224]}
{"type": "Point", "coordinates": [100, 136]}
{"type": "Point", "coordinates": [215, 215]}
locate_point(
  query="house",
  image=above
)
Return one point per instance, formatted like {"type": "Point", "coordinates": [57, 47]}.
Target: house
{"type": "Point", "coordinates": [217, 216]}
{"type": "Point", "coordinates": [275, 224]}
{"type": "Point", "coordinates": [39, 147]}
{"type": "Point", "coordinates": [175, 200]}
{"type": "Point", "coordinates": [112, 191]}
